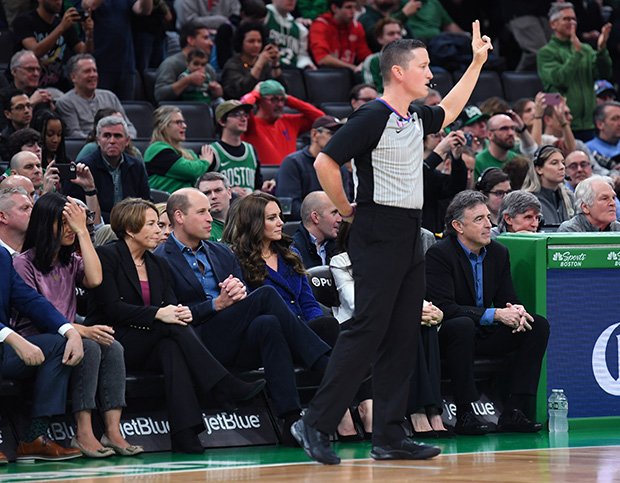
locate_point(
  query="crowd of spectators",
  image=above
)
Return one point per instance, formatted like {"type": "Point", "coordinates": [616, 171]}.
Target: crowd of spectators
{"type": "Point", "coordinates": [216, 249]}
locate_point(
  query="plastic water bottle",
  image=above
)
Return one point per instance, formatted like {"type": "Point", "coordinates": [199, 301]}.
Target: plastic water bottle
{"type": "Point", "coordinates": [558, 411]}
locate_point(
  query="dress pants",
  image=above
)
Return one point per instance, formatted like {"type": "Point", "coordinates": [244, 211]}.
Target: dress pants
{"type": "Point", "coordinates": [51, 379]}
{"type": "Point", "coordinates": [461, 340]}
{"type": "Point", "coordinates": [260, 330]}
{"type": "Point", "coordinates": [189, 368]}
{"type": "Point", "coordinates": [388, 272]}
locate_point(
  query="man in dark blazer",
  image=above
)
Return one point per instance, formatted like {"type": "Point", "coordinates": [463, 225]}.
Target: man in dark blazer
{"type": "Point", "coordinates": [48, 353]}
{"type": "Point", "coordinates": [469, 279]}
{"type": "Point", "coordinates": [117, 175]}
{"type": "Point", "coordinates": [241, 330]}
{"type": "Point", "coordinates": [315, 239]}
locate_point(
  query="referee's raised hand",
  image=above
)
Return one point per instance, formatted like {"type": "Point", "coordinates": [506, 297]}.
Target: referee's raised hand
{"type": "Point", "coordinates": [480, 45]}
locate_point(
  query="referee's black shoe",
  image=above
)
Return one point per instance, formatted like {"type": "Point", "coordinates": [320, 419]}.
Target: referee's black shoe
{"type": "Point", "coordinates": [407, 449]}
{"type": "Point", "coordinates": [315, 443]}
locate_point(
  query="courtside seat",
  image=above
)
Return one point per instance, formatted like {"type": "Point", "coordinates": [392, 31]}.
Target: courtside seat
{"type": "Point", "coordinates": [290, 227]}
{"type": "Point", "coordinates": [323, 286]}
{"type": "Point", "coordinates": [269, 171]}
{"type": "Point", "coordinates": [521, 84]}
{"type": "Point", "coordinates": [159, 196]}
{"type": "Point", "coordinates": [328, 85]}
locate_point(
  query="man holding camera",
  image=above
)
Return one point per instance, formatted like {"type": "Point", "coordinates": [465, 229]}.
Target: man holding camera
{"type": "Point", "coordinates": [53, 38]}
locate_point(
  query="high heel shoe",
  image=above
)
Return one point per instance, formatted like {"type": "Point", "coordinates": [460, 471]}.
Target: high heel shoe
{"type": "Point", "coordinates": [131, 450]}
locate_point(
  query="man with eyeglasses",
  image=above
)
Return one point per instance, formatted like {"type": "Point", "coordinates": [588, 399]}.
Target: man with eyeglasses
{"type": "Point", "coordinates": [570, 67]}
{"type": "Point", "coordinates": [235, 158]}
{"type": "Point", "coordinates": [297, 177]}
{"type": "Point", "coordinates": [502, 133]}
{"type": "Point", "coordinates": [51, 35]}
{"type": "Point", "coordinates": [271, 131]}
{"type": "Point", "coordinates": [18, 113]}
{"type": "Point", "coordinates": [26, 72]}
{"type": "Point", "coordinates": [361, 94]}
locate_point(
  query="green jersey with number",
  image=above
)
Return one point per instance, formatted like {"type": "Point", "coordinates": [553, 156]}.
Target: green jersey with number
{"type": "Point", "coordinates": [290, 37]}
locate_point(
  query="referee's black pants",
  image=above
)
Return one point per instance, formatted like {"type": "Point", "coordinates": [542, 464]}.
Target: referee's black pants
{"type": "Point", "coordinates": [388, 271]}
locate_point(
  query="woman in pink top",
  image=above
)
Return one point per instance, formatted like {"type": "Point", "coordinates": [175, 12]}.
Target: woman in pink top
{"type": "Point", "coordinates": [50, 264]}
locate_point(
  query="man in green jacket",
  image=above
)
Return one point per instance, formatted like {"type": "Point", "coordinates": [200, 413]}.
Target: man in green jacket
{"type": "Point", "coordinates": [567, 66]}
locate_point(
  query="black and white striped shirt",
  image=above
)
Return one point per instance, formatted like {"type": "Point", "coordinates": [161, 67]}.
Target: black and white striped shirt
{"type": "Point", "coordinates": [388, 152]}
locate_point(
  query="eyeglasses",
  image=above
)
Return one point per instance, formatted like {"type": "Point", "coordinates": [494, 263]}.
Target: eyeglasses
{"type": "Point", "coordinates": [30, 70]}
{"type": "Point", "coordinates": [21, 107]}
{"type": "Point", "coordinates": [504, 128]}
{"type": "Point", "coordinates": [569, 19]}
{"type": "Point", "coordinates": [575, 166]}
{"type": "Point", "coordinates": [239, 114]}
{"type": "Point", "coordinates": [275, 99]}
{"type": "Point", "coordinates": [500, 193]}
{"type": "Point", "coordinates": [179, 122]}
{"type": "Point", "coordinates": [324, 130]}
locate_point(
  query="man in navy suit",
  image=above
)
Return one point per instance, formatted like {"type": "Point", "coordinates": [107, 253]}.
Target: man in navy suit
{"type": "Point", "coordinates": [47, 354]}
{"type": "Point", "coordinates": [241, 330]}
{"type": "Point", "coordinates": [468, 277]}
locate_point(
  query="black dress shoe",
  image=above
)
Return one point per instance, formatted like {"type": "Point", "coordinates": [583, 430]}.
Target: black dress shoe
{"type": "Point", "coordinates": [468, 424]}
{"type": "Point", "coordinates": [407, 449]}
{"type": "Point", "coordinates": [315, 443]}
{"type": "Point", "coordinates": [516, 422]}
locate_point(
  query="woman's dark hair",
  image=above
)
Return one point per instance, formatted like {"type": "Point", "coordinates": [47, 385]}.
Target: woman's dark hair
{"type": "Point", "coordinates": [46, 217]}
{"type": "Point", "coordinates": [489, 178]}
{"type": "Point", "coordinates": [243, 29]}
{"type": "Point", "coordinates": [41, 120]}
{"type": "Point", "coordinates": [248, 227]}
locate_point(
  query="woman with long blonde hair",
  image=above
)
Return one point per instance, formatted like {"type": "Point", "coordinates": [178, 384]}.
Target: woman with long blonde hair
{"type": "Point", "coordinates": [169, 165]}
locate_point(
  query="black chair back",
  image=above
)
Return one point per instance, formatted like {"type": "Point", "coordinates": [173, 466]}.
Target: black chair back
{"type": "Point", "coordinates": [323, 286]}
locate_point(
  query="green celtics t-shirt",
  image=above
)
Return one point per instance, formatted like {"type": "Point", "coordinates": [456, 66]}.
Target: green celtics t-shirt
{"type": "Point", "coordinates": [241, 169]}
{"type": "Point", "coordinates": [286, 34]}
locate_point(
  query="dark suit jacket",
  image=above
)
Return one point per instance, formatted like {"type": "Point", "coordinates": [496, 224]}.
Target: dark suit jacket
{"type": "Point", "coordinates": [187, 287]}
{"type": "Point", "coordinates": [118, 300]}
{"type": "Point", "coordinates": [307, 249]}
{"type": "Point", "coordinates": [16, 294]}
{"type": "Point", "coordinates": [133, 177]}
{"type": "Point", "coordinates": [450, 279]}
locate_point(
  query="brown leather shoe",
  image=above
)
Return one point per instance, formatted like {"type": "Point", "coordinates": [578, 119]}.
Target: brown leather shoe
{"type": "Point", "coordinates": [44, 448]}
{"type": "Point", "coordinates": [3, 459]}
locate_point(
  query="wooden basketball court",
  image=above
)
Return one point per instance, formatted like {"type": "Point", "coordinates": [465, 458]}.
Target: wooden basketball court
{"type": "Point", "coordinates": [587, 454]}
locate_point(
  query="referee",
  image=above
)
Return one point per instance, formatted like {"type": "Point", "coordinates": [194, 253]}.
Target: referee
{"type": "Point", "coordinates": [385, 139]}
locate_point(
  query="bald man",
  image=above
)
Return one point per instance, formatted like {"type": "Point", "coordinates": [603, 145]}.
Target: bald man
{"type": "Point", "coordinates": [502, 135]}
{"type": "Point", "coordinates": [19, 181]}
{"type": "Point", "coordinates": [315, 237]}
{"type": "Point", "coordinates": [27, 164]}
